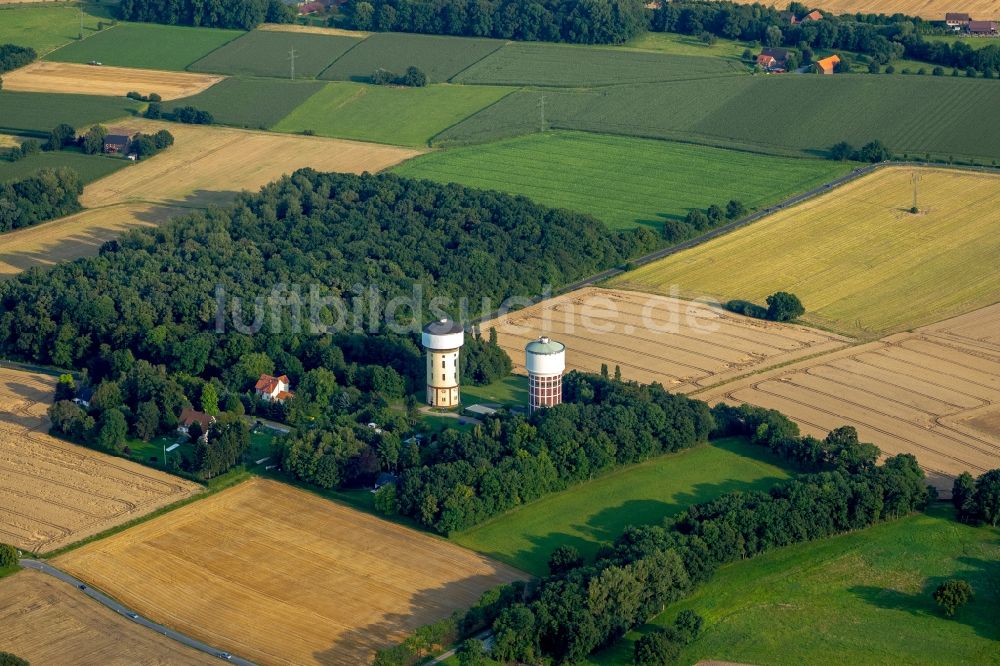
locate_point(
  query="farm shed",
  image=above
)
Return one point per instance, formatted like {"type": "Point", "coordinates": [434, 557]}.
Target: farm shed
{"type": "Point", "coordinates": [983, 28]}
{"type": "Point", "coordinates": [116, 143]}
{"type": "Point", "coordinates": [827, 65]}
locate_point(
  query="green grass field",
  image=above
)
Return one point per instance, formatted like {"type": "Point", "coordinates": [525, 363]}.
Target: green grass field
{"type": "Point", "coordinates": [44, 27]}
{"type": "Point", "coordinates": [39, 112]}
{"type": "Point", "coordinates": [90, 167]}
{"type": "Point", "coordinates": [689, 45]}
{"type": "Point", "coordinates": [623, 181]}
{"type": "Point", "coordinates": [860, 598]}
{"type": "Point", "coordinates": [267, 53]}
{"type": "Point", "coordinates": [594, 513]}
{"type": "Point", "coordinates": [778, 114]}
{"type": "Point", "coordinates": [402, 116]}
{"type": "Point", "coordinates": [572, 66]}
{"type": "Point", "coordinates": [253, 103]}
{"type": "Point", "coordinates": [511, 390]}
{"type": "Point", "coordinates": [439, 57]}
{"type": "Point", "coordinates": [146, 45]}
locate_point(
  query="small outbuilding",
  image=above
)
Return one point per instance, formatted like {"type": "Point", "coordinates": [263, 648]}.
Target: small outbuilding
{"type": "Point", "coordinates": [983, 28]}
{"type": "Point", "coordinates": [116, 144]}
{"type": "Point", "coordinates": [384, 479]}
{"type": "Point", "coordinates": [827, 65]}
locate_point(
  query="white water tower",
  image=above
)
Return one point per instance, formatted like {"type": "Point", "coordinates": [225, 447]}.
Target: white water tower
{"type": "Point", "coordinates": [442, 339]}
{"type": "Point", "coordinates": [545, 361]}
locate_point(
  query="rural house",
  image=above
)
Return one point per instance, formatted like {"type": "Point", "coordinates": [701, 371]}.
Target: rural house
{"type": "Point", "coordinates": [827, 65]}
{"type": "Point", "coordinates": [189, 416]}
{"type": "Point", "coordinates": [957, 20]}
{"type": "Point", "coordinates": [116, 144]}
{"type": "Point", "coordinates": [274, 389]}
{"type": "Point", "coordinates": [814, 15]}
{"type": "Point", "coordinates": [789, 18]}
{"type": "Point", "coordinates": [84, 395]}
{"type": "Point", "coordinates": [983, 28]}
{"type": "Point", "coordinates": [773, 59]}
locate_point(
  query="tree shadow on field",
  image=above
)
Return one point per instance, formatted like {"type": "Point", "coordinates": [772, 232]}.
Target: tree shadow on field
{"type": "Point", "coordinates": [979, 614]}
{"type": "Point", "coordinates": [357, 644]}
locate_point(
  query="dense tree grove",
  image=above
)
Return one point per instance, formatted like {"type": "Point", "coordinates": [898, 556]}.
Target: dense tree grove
{"type": "Point", "coordinates": [240, 14]}
{"type": "Point", "coordinates": [13, 56]}
{"type": "Point", "coordinates": [465, 478]}
{"type": "Point", "coordinates": [8, 659]}
{"type": "Point", "coordinates": [576, 21]}
{"type": "Point", "coordinates": [44, 195]}
{"type": "Point", "coordinates": [977, 501]}
{"type": "Point", "coordinates": [483, 362]}
{"type": "Point", "coordinates": [8, 555]}
{"type": "Point", "coordinates": [698, 221]}
{"type": "Point", "coordinates": [182, 114]}
{"type": "Point", "coordinates": [883, 38]}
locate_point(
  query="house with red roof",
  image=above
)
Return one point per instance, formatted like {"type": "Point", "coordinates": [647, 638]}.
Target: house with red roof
{"type": "Point", "coordinates": [827, 65]}
{"type": "Point", "coordinates": [814, 15]}
{"type": "Point", "coordinates": [273, 389]}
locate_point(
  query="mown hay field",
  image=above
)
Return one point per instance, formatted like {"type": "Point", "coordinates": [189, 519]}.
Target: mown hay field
{"type": "Point", "coordinates": [623, 181]}
{"type": "Point", "coordinates": [440, 58]}
{"type": "Point", "coordinates": [90, 167]}
{"type": "Point", "coordinates": [932, 10]}
{"type": "Point", "coordinates": [59, 77]}
{"type": "Point", "coordinates": [281, 576]}
{"type": "Point", "coordinates": [934, 393]}
{"type": "Point", "coordinates": [684, 345]}
{"type": "Point", "coordinates": [592, 514]}
{"type": "Point", "coordinates": [267, 53]}
{"type": "Point", "coordinates": [47, 621]}
{"type": "Point", "coordinates": [38, 113]}
{"type": "Point", "coordinates": [251, 102]}
{"type": "Point", "coordinates": [48, 25]}
{"type": "Point", "coordinates": [75, 236]}
{"type": "Point", "coordinates": [726, 112]}
{"type": "Point", "coordinates": [858, 598]}
{"type": "Point", "coordinates": [384, 114]}
{"type": "Point", "coordinates": [146, 45]}
{"type": "Point", "coordinates": [53, 493]}
{"type": "Point", "coordinates": [861, 263]}
{"type": "Point", "coordinates": [575, 66]}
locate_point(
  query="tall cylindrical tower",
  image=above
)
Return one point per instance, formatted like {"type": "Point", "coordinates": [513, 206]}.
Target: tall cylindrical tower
{"type": "Point", "coordinates": [545, 361]}
{"type": "Point", "coordinates": [442, 339]}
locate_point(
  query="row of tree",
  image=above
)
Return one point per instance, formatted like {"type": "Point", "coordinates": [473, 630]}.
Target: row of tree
{"type": "Point", "coordinates": [412, 78]}
{"type": "Point", "coordinates": [239, 14]}
{"type": "Point", "coordinates": [575, 612]}
{"type": "Point", "coordinates": [697, 221]}
{"type": "Point", "coordinates": [874, 151]}
{"type": "Point", "coordinates": [977, 501]}
{"type": "Point", "coordinates": [44, 195]}
{"type": "Point", "coordinates": [576, 21]}
{"type": "Point", "coordinates": [13, 56]}
{"type": "Point", "coordinates": [781, 306]}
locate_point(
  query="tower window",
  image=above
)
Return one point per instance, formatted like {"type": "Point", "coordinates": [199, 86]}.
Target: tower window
{"type": "Point", "coordinates": [442, 363]}
{"type": "Point", "coordinates": [442, 376]}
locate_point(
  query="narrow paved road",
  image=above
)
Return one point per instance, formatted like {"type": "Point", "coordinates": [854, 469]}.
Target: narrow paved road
{"type": "Point", "coordinates": [128, 613]}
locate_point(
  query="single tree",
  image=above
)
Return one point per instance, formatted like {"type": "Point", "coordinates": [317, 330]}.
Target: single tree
{"type": "Point", "coordinates": [147, 420]}
{"type": "Point", "coordinates": [563, 559]}
{"type": "Point", "coordinates": [113, 430]}
{"type": "Point", "coordinates": [783, 306]}
{"type": "Point", "coordinates": [952, 594]}
{"type": "Point", "coordinates": [841, 151]}
{"type": "Point", "coordinates": [414, 78]}
{"type": "Point", "coordinates": [963, 497]}
{"type": "Point", "coordinates": [8, 659]}
{"type": "Point", "coordinates": [210, 399]}
{"type": "Point", "coordinates": [988, 497]}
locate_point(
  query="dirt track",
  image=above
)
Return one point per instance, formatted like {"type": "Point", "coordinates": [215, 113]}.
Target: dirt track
{"type": "Point", "coordinates": [934, 393]}
{"type": "Point", "coordinates": [53, 493]}
{"type": "Point", "coordinates": [281, 576]}
{"type": "Point", "coordinates": [64, 77]}
{"type": "Point", "coordinates": [685, 345]}
{"type": "Point", "coordinates": [48, 622]}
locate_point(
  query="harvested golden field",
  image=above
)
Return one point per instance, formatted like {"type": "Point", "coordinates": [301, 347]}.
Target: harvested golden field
{"type": "Point", "coordinates": [209, 165]}
{"type": "Point", "coordinates": [313, 29]}
{"type": "Point", "coordinates": [74, 236]}
{"type": "Point", "coordinates": [46, 621]}
{"type": "Point", "coordinates": [861, 263]}
{"type": "Point", "coordinates": [53, 493]}
{"type": "Point", "coordinates": [205, 166]}
{"type": "Point", "coordinates": [10, 141]}
{"type": "Point", "coordinates": [934, 393]}
{"type": "Point", "coordinates": [932, 10]}
{"type": "Point", "coordinates": [64, 77]}
{"type": "Point", "coordinates": [281, 576]}
{"type": "Point", "coordinates": [684, 345]}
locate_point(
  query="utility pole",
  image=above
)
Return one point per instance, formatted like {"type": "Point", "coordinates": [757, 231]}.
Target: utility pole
{"type": "Point", "coordinates": [81, 22]}
{"type": "Point", "coordinates": [915, 179]}
{"type": "Point", "coordinates": [291, 58]}
{"type": "Point", "coordinates": [541, 111]}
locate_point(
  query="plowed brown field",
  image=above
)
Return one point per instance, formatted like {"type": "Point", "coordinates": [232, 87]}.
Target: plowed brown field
{"type": "Point", "coordinates": [684, 345]}
{"type": "Point", "coordinates": [53, 493]}
{"type": "Point", "coordinates": [46, 621]}
{"type": "Point", "coordinates": [934, 393]}
{"type": "Point", "coordinates": [281, 576]}
{"type": "Point", "coordinates": [65, 77]}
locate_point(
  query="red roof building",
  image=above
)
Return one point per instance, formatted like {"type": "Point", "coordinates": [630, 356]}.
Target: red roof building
{"type": "Point", "coordinates": [273, 388]}
{"type": "Point", "coordinates": [828, 65]}
{"type": "Point", "coordinates": [983, 28]}
{"type": "Point", "coordinates": [814, 15]}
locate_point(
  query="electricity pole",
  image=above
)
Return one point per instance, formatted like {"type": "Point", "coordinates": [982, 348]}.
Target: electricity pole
{"type": "Point", "coordinates": [541, 111]}
{"type": "Point", "coordinates": [291, 59]}
{"type": "Point", "coordinates": [915, 178]}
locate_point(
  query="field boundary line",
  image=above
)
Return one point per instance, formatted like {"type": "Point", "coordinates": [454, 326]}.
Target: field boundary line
{"type": "Point", "coordinates": [319, 76]}
{"type": "Point", "coordinates": [430, 141]}
{"type": "Point", "coordinates": [503, 44]}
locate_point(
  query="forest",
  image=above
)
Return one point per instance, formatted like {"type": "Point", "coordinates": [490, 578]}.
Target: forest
{"type": "Point", "coordinates": [44, 195]}
{"type": "Point", "coordinates": [239, 14]}
{"type": "Point", "coordinates": [575, 21]}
